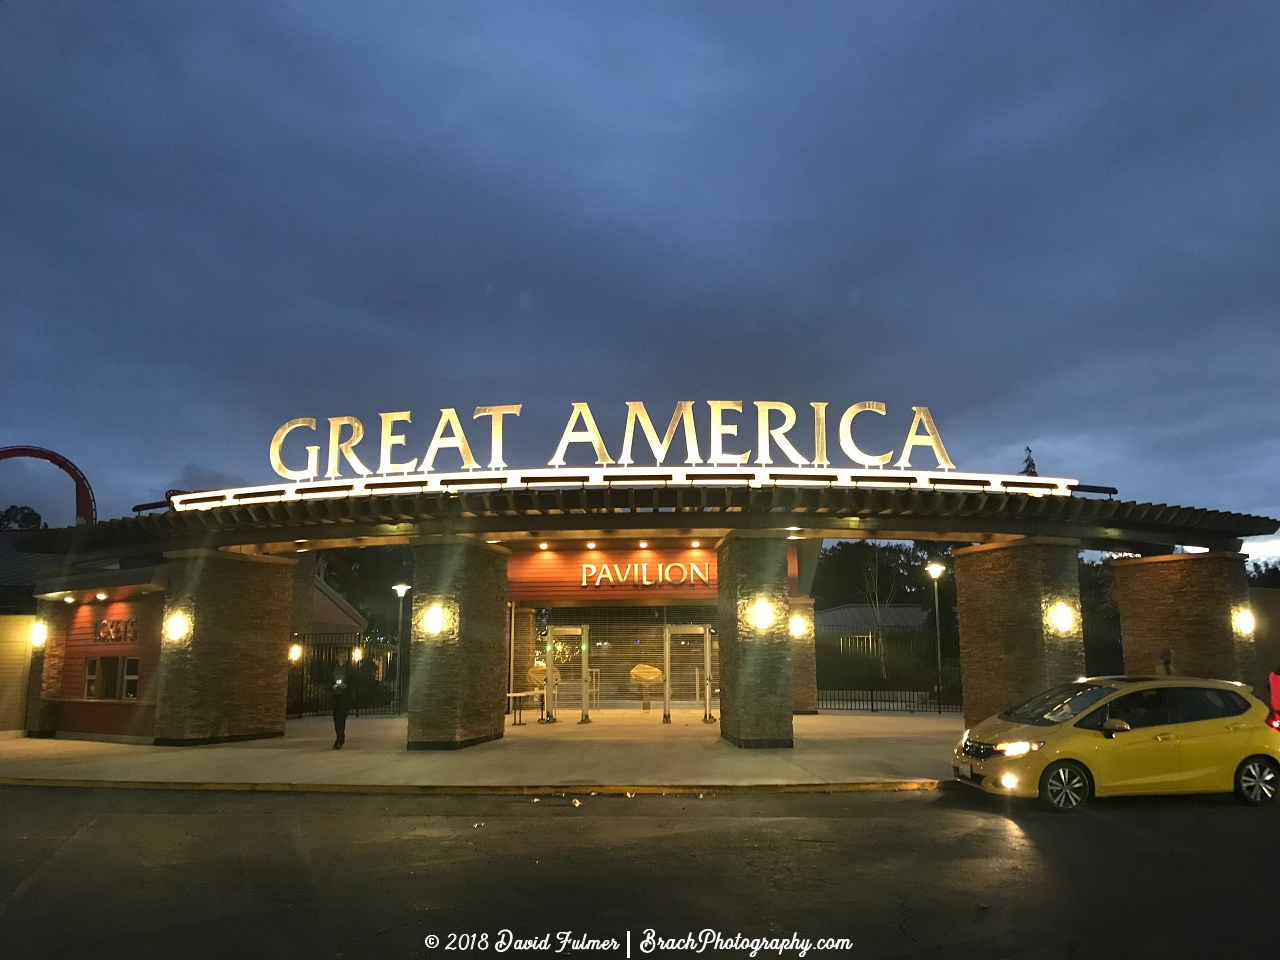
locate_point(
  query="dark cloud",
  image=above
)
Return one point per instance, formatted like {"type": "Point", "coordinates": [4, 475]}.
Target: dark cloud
{"type": "Point", "coordinates": [1054, 224]}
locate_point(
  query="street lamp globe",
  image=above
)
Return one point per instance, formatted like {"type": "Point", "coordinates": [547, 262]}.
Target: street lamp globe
{"type": "Point", "coordinates": [935, 570]}
{"type": "Point", "coordinates": [401, 589]}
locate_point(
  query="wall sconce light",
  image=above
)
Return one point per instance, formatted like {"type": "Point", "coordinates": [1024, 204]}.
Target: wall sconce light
{"type": "Point", "coordinates": [1242, 621]}
{"type": "Point", "coordinates": [177, 627]}
{"type": "Point", "coordinates": [39, 634]}
{"type": "Point", "coordinates": [440, 619]}
{"type": "Point", "coordinates": [797, 625]}
{"type": "Point", "coordinates": [68, 599]}
{"type": "Point", "coordinates": [357, 654]}
{"type": "Point", "coordinates": [295, 653]}
{"type": "Point", "coordinates": [100, 596]}
{"type": "Point", "coordinates": [762, 614]}
{"type": "Point", "coordinates": [1061, 618]}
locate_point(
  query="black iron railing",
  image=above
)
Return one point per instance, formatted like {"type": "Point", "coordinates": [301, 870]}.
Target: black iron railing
{"type": "Point", "coordinates": [372, 673]}
{"type": "Point", "coordinates": [891, 671]}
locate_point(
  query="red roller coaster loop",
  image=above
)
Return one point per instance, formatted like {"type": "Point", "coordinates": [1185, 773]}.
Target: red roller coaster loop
{"type": "Point", "coordinates": [86, 506]}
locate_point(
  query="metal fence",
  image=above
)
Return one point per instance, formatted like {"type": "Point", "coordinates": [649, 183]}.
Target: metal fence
{"type": "Point", "coordinates": [890, 671]}
{"type": "Point", "coordinates": [373, 671]}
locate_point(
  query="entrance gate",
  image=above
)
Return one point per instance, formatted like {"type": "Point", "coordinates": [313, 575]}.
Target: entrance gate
{"type": "Point", "coordinates": [701, 679]}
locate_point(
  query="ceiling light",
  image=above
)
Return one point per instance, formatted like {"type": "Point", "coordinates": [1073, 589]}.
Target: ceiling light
{"type": "Point", "coordinates": [696, 544]}
{"type": "Point", "coordinates": [591, 544]}
{"type": "Point", "coordinates": [68, 599]}
{"type": "Point", "coordinates": [101, 596]}
{"type": "Point", "coordinates": [543, 545]}
{"type": "Point", "coordinates": [644, 544]}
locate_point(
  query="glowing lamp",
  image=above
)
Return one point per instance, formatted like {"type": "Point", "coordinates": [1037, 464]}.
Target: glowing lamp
{"type": "Point", "coordinates": [542, 546]}
{"type": "Point", "coordinates": [357, 654]}
{"type": "Point", "coordinates": [295, 653]}
{"type": "Point", "coordinates": [68, 599]}
{"type": "Point", "coordinates": [39, 633]}
{"type": "Point", "coordinates": [762, 614]}
{"type": "Point", "coordinates": [1243, 622]}
{"type": "Point", "coordinates": [591, 544]}
{"type": "Point", "coordinates": [101, 596]}
{"type": "Point", "coordinates": [797, 625]}
{"type": "Point", "coordinates": [935, 570]}
{"type": "Point", "coordinates": [433, 620]}
{"type": "Point", "coordinates": [644, 544]}
{"type": "Point", "coordinates": [1062, 618]}
{"type": "Point", "coordinates": [177, 627]}
{"type": "Point", "coordinates": [696, 544]}
{"type": "Point", "coordinates": [401, 589]}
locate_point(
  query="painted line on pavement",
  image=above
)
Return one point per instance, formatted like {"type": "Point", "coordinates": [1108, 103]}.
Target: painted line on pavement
{"type": "Point", "coordinates": [606, 789]}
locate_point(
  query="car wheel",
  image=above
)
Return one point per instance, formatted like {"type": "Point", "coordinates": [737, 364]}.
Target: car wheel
{"type": "Point", "coordinates": [1257, 781]}
{"type": "Point", "coordinates": [1064, 786]}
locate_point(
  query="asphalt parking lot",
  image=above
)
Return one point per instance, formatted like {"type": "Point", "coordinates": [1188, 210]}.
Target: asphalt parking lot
{"type": "Point", "coordinates": [953, 873]}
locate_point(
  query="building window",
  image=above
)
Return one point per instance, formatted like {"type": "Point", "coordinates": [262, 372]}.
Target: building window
{"type": "Point", "coordinates": [131, 678]}
{"type": "Point", "coordinates": [110, 685]}
{"type": "Point", "coordinates": [91, 678]}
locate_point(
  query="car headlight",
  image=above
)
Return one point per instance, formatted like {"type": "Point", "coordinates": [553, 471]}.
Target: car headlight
{"type": "Point", "coordinates": [964, 738]}
{"type": "Point", "coordinates": [1018, 748]}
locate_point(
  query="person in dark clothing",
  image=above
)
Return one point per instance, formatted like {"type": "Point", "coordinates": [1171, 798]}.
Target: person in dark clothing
{"type": "Point", "coordinates": [340, 700]}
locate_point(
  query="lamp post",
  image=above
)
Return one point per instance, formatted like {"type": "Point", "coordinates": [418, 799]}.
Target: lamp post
{"type": "Point", "coordinates": [936, 570]}
{"type": "Point", "coordinates": [402, 673]}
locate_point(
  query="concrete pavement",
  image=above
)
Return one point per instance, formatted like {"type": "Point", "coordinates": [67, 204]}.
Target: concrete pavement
{"type": "Point", "coordinates": [618, 748]}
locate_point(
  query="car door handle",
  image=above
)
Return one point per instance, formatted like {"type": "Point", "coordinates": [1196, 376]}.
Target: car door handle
{"type": "Point", "coordinates": [1164, 736]}
{"type": "Point", "coordinates": [1237, 726]}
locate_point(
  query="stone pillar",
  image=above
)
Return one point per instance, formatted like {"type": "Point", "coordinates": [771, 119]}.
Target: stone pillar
{"type": "Point", "coordinates": [525, 644]}
{"type": "Point", "coordinates": [458, 677]}
{"type": "Point", "coordinates": [804, 658]}
{"type": "Point", "coordinates": [1188, 603]}
{"type": "Point", "coordinates": [755, 658]}
{"type": "Point", "coordinates": [226, 676]}
{"type": "Point", "coordinates": [44, 684]}
{"type": "Point", "coordinates": [304, 593]}
{"type": "Point", "coordinates": [1020, 631]}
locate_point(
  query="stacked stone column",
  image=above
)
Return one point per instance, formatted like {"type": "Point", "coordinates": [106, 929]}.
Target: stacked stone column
{"type": "Point", "coordinates": [458, 673]}
{"type": "Point", "coordinates": [44, 682]}
{"type": "Point", "coordinates": [1020, 627]}
{"type": "Point", "coordinates": [804, 657]}
{"type": "Point", "coordinates": [1191, 604]}
{"type": "Point", "coordinates": [755, 660]}
{"type": "Point", "coordinates": [226, 676]}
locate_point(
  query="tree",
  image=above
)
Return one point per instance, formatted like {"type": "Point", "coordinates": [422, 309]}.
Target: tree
{"type": "Point", "coordinates": [1264, 574]}
{"type": "Point", "coordinates": [20, 518]}
{"type": "Point", "coordinates": [1028, 465]}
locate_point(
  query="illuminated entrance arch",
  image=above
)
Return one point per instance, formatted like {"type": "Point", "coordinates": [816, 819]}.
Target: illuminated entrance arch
{"type": "Point", "coordinates": [86, 506]}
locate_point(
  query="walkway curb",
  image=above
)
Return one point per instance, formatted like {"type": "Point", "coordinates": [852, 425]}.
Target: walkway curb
{"type": "Point", "coordinates": [578, 789]}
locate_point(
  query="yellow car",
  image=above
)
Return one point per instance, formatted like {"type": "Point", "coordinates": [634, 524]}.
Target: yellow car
{"type": "Point", "coordinates": [1114, 736]}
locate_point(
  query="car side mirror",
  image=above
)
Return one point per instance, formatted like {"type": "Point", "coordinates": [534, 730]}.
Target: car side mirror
{"type": "Point", "coordinates": [1113, 726]}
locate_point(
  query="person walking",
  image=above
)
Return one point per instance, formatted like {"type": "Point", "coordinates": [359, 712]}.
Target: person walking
{"type": "Point", "coordinates": [340, 700]}
{"type": "Point", "coordinates": [1275, 688]}
{"type": "Point", "coordinates": [1165, 668]}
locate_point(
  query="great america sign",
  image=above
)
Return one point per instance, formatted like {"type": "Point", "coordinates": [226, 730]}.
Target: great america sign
{"type": "Point", "coordinates": [335, 460]}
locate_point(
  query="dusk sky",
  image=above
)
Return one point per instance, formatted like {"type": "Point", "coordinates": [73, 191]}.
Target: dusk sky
{"type": "Point", "coordinates": [1056, 225]}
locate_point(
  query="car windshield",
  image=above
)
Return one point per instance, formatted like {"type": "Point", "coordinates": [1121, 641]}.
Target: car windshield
{"type": "Point", "coordinates": [1057, 705]}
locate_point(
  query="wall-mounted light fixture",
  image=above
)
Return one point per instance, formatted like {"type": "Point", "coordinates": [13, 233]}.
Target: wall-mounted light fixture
{"type": "Point", "coordinates": [543, 545]}
{"type": "Point", "coordinates": [1060, 618]}
{"type": "Point", "coordinates": [177, 627]}
{"type": "Point", "coordinates": [39, 634]}
{"type": "Point", "coordinates": [295, 653]}
{"type": "Point", "coordinates": [762, 613]}
{"type": "Point", "coordinates": [1242, 621]}
{"type": "Point", "coordinates": [797, 625]}
{"type": "Point", "coordinates": [68, 599]}
{"type": "Point", "coordinates": [100, 596]}
{"type": "Point", "coordinates": [357, 654]}
{"type": "Point", "coordinates": [591, 544]}
{"type": "Point", "coordinates": [440, 618]}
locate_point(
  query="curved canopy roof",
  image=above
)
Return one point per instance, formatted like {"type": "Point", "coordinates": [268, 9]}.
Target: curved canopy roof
{"type": "Point", "coordinates": [521, 516]}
